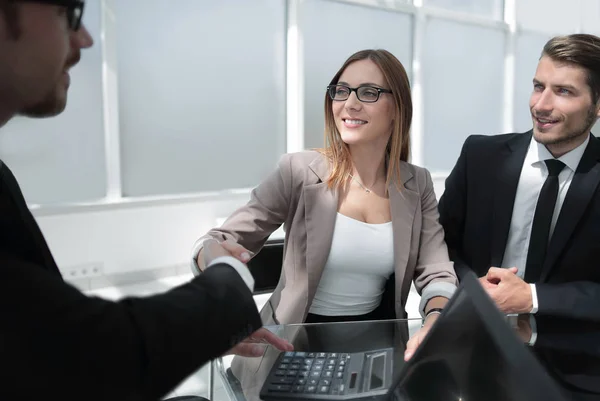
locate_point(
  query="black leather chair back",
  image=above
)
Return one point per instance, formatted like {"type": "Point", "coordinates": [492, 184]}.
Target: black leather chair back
{"type": "Point", "coordinates": [265, 266]}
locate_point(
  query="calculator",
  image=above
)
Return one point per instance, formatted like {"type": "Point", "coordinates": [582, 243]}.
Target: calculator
{"type": "Point", "coordinates": [329, 375]}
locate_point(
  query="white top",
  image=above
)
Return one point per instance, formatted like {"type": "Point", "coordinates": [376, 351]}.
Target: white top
{"type": "Point", "coordinates": [532, 178]}
{"type": "Point", "coordinates": [360, 261]}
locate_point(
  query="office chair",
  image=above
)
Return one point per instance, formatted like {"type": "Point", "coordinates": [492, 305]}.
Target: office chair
{"type": "Point", "coordinates": [265, 266]}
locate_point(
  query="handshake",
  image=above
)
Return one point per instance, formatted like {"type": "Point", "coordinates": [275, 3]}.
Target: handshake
{"type": "Point", "coordinates": [253, 346]}
{"type": "Point", "coordinates": [213, 249]}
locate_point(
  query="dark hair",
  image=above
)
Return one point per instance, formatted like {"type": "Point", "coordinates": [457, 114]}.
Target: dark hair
{"type": "Point", "coordinates": [579, 49]}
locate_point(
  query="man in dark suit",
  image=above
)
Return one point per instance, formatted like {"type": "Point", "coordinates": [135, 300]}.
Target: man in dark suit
{"type": "Point", "coordinates": [55, 342]}
{"type": "Point", "coordinates": [523, 210]}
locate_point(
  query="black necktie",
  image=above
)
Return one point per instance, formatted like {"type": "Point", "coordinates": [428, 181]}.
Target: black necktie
{"type": "Point", "coordinates": [542, 219]}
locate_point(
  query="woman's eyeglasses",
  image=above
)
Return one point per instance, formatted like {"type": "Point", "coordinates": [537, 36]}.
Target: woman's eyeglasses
{"type": "Point", "coordinates": [366, 94]}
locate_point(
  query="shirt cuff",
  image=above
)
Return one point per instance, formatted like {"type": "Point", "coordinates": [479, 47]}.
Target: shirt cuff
{"type": "Point", "coordinates": [435, 289]}
{"type": "Point", "coordinates": [533, 338]}
{"type": "Point", "coordinates": [195, 251]}
{"type": "Point", "coordinates": [534, 299]}
{"type": "Point", "coordinates": [241, 268]}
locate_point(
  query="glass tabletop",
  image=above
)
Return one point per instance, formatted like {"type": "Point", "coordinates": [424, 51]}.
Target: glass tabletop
{"type": "Point", "coordinates": [243, 377]}
{"type": "Point", "coordinates": [567, 349]}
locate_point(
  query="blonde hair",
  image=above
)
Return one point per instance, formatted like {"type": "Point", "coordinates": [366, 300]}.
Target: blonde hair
{"type": "Point", "coordinates": [398, 147]}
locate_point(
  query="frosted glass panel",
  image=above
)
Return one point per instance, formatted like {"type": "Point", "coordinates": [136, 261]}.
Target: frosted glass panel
{"type": "Point", "coordinates": [327, 46]}
{"type": "Point", "coordinates": [528, 50]}
{"type": "Point", "coordinates": [61, 159]}
{"type": "Point", "coordinates": [201, 92]}
{"type": "Point", "coordinates": [551, 16]}
{"type": "Point", "coordinates": [463, 87]}
{"type": "Point", "coordinates": [486, 8]}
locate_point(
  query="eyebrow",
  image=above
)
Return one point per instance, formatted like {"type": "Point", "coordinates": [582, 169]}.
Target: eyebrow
{"type": "Point", "coordinates": [363, 84]}
{"type": "Point", "coordinates": [566, 86]}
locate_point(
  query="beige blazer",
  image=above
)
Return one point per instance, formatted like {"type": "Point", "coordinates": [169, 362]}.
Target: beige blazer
{"type": "Point", "coordinates": [296, 195]}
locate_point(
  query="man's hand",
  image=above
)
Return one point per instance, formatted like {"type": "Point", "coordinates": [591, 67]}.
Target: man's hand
{"type": "Point", "coordinates": [510, 293]}
{"type": "Point", "coordinates": [417, 339]}
{"type": "Point", "coordinates": [213, 249]}
{"type": "Point", "coordinates": [256, 344]}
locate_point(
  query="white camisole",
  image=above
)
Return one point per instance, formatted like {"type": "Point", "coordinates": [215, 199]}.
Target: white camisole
{"type": "Point", "coordinates": [360, 261]}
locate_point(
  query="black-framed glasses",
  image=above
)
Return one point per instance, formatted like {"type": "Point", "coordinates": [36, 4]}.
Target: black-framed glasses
{"type": "Point", "coordinates": [366, 94]}
{"type": "Point", "coordinates": [74, 10]}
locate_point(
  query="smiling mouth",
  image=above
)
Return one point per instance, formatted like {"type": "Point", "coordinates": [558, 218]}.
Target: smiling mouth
{"type": "Point", "coordinates": [353, 122]}
{"type": "Point", "coordinates": [545, 121]}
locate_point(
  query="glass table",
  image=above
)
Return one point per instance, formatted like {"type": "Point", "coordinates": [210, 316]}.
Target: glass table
{"type": "Point", "coordinates": [568, 349]}
{"type": "Point", "coordinates": [243, 377]}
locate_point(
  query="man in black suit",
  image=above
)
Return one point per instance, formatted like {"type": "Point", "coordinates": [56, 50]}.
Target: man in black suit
{"type": "Point", "coordinates": [523, 210]}
{"type": "Point", "coordinates": [55, 342]}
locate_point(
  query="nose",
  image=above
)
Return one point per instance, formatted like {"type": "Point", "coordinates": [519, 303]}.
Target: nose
{"type": "Point", "coordinates": [82, 38]}
{"type": "Point", "coordinates": [543, 102]}
{"type": "Point", "coordinates": [352, 102]}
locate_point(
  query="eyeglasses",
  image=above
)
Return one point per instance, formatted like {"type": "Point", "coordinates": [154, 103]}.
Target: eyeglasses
{"type": "Point", "coordinates": [74, 10]}
{"type": "Point", "coordinates": [366, 94]}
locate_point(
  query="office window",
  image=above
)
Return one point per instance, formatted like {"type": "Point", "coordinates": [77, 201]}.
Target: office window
{"type": "Point", "coordinates": [485, 8]}
{"type": "Point", "coordinates": [528, 50]}
{"type": "Point", "coordinates": [61, 159]}
{"type": "Point", "coordinates": [463, 87]}
{"type": "Point", "coordinates": [201, 93]}
{"type": "Point", "coordinates": [331, 32]}
{"type": "Point", "coordinates": [550, 16]}
{"type": "Point", "coordinates": [590, 17]}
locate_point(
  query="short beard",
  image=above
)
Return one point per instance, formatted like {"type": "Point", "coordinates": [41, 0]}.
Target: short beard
{"type": "Point", "coordinates": [576, 133]}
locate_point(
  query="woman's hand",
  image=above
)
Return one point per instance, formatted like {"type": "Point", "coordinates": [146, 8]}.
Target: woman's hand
{"type": "Point", "coordinates": [213, 249]}
{"type": "Point", "coordinates": [416, 340]}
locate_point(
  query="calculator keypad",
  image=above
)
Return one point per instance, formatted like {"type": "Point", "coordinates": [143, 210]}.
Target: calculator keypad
{"type": "Point", "coordinates": [310, 373]}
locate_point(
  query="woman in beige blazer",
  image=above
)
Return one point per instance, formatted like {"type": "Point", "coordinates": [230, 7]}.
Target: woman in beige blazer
{"type": "Point", "coordinates": [354, 212]}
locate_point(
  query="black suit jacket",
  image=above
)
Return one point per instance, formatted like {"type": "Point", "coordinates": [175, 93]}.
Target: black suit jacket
{"type": "Point", "coordinates": [476, 210]}
{"type": "Point", "coordinates": [56, 343]}
{"type": "Point", "coordinates": [569, 349]}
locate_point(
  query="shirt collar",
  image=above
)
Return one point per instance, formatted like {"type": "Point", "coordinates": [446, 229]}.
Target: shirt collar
{"type": "Point", "coordinates": [537, 153]}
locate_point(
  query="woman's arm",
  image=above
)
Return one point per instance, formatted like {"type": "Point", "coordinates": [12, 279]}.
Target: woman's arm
{"type": "Point", "coordinates": [251, 225]}
{"type": "Point", "coordinates": [434, 276]}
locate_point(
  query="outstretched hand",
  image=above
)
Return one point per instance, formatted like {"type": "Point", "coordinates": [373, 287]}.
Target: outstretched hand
{"type": "Point", "coordinates": [256, 344]}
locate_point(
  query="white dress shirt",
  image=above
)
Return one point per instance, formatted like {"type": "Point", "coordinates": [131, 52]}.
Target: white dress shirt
{"type": "Point", "coordinates": [532, 178]}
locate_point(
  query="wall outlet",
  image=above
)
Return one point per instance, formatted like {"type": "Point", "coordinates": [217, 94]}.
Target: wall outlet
{"type": "Point", "coordinates": [86, 270]}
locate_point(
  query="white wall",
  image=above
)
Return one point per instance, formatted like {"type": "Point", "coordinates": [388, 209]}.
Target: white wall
{"type": "Point", "coordinates": [127, 238]}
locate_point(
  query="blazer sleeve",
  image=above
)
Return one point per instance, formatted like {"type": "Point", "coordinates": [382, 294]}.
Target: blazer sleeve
{"type": "Point", "coordinates": [452, 208]}
{"type": "Point", "coordinates": [267, 210]}
{"type": "Point", "coordinates": [57, 343]}
{"type": "Point", "coordinates": [577, 300]}
{"type": "Point", "coordinates": [434, 275]}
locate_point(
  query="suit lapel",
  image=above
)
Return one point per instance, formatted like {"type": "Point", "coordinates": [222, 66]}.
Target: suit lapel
{"type": "Point", "coordinates": [320, 208]}
{"type": "Point", "coordinates": [403, 206]}
{"type": "Point", "coordinates": [582, 189]}
{"type": "Point", "coordinates": [508, 172]}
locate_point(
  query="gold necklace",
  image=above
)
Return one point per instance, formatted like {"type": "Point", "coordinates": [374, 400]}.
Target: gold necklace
{"type": "Point", "coordinates": [367, 190]}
